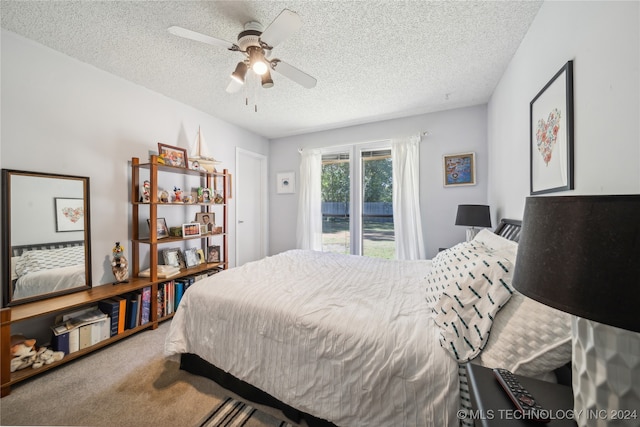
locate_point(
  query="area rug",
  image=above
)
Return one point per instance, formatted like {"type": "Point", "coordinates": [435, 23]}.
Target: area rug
{"type": "Point", "coordinates": [234, 413]}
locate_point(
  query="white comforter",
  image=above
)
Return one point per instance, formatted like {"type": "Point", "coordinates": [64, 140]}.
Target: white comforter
{"type": "Point", "coordinates": [345, 338]}
{"type": "Point", "coordinates": [51, 280]}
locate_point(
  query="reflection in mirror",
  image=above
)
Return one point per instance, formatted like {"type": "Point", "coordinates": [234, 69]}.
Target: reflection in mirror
{"type": "Point", "coordinates": [46, 243]}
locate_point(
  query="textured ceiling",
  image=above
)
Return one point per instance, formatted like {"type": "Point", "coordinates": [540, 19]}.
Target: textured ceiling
{"type": "Point", "coordinates": [373, 60]}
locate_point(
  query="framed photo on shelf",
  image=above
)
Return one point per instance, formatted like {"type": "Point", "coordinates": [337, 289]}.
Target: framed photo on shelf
{"type": "Point", "coordinates": [459, 169]}
{"type": "Point", "coordinates": [69, 214]}
{"type": "Point", "coordinates": [201, 258]}
{"type": "Point", "coordinates": [207, 219]}
{"type": "Point", "coordinates": [162, 230]}
{"type": "Point", "coordinates": [191, 257]}
{"type": "Point", "coordinates": [551, 134]}
{"type": "Point", "coordinates": [191, 230]}
{"type": "Point", "coordinates": [173, 257]}
{"type": "Point", "coordinates": [213, 254]}
{"type": "Point", "coordinates": [173, 156]}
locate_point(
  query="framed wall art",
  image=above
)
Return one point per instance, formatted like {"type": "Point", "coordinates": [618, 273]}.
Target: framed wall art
{"type": "Point", "coordinates": [551, 134]}
{"type": "Point", "coordinates": [173, 156]}
{"type": "Point", "coordinates": [286, 182]}
{"type": "Point", "coordinates": [69, 214]}
{"type": "Point", "coordinates": [459, 169]}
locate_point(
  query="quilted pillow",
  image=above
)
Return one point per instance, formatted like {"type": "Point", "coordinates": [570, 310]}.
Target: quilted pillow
{"type": "Point", "coordinates": [46, 259]}
{"type": "Point", "coordinates": [466, 309]}
{"type": "Point", "coordinates": [450, 264]}
{"type": "Point", "coordinates": [528, 338]}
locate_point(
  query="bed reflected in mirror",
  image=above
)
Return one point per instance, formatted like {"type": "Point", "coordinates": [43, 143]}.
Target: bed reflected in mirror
{"type": "Point", "coordinates": [46, 235]}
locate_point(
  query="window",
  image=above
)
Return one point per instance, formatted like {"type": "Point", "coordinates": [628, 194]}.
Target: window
{"type": "Point", "coordinates": [357, 209]}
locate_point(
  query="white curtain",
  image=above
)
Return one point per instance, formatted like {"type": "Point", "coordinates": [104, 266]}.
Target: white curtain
{"type": "Point", "coordinates": [405, 153]}
{"type": "Point", "coordinates": [309, 229]}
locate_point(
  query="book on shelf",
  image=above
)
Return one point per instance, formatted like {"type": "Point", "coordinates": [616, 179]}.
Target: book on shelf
{"type": "Point", "coordinates": [163, 271]}
{"type": "Point", "coordinates": [132, 309]}
{"type": "Point", "coordinates": [85, 317]}
{"type": "Point", "coordinates": [122, 314]}
{"type": "Point", "coordinates": [145, 315]}
{"type": "Point", "coordinates": [111, 307]}
{"type": "Point", "coordinates": [60, 342]}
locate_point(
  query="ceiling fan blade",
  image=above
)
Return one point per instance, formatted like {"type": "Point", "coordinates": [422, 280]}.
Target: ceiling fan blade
{"type": "Point", "coordinates": [192, 35]}
{"type": "Point", "coordinates": [281, 28]}
{"type": "Point", "coordinates": [291, 72]}
{"type": "Point", "coordinates": [234, 86]}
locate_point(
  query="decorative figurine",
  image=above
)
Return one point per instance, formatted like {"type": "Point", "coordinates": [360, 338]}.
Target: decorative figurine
{"type": "Point", "coordinates": [177, 194]}
{"type": "Point", "coordinates": [119, 265]}
{"type": "Point", "coordinates": [146, 187]}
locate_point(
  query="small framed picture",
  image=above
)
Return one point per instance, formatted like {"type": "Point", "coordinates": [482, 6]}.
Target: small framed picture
{"type": "Point", "coordinates": [213, 254]}
{"type": "Point", "coordinates": [162, 230]}
{"type": "Point", "coordinates": [173, 156]}
{"type": "Point", "coordinates": [173, 257]}
{"type": "Point", "coordinates": [286, 182]}
{"type": "Point", "coordinates": [191, 230]}
{"type": "Point", "coordinates": [69, 214]}
{"type": "Point", "coordinates": [204, 195]}
{"type": "Point", "coordinates": [201, 258]}
{"type": "Point", "coordinates": [207, 219]}
{"type": "Point", "coordinates": [191, 257]}
{"type": "Point", "coordinates": [459, 169]}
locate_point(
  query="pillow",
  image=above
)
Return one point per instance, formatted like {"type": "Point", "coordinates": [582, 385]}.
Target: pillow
{"type": "Point", "coordinates": [46, 259]}
{"type": "Point", "coordinates": [491, 240]}
{"type": "Point", "coordinates": [528, 338]}
{"type": "Point", "coordinates": [449, 264]}
{"type": "Point", "coordinates": [467, 307]}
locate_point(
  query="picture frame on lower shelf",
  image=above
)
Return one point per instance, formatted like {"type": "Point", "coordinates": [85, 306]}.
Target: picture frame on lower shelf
{"type": "Point", "coordinates": [213, 253]}
{"type": "Point", "coordinates": [191, 258]}
{"type": "Point", "coordinates": [173, 257]}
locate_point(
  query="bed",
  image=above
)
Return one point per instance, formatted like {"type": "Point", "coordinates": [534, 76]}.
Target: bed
{"type": "Point", "coordinates": [47, 267]}
{"type": "Point", "coordinates": [356, 341]}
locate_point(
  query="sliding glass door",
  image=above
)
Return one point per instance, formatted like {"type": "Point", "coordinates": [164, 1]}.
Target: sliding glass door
{"type": "Point", "coordinates": [357, 210]}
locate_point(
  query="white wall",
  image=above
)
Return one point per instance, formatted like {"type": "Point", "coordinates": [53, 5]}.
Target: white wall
{"type": "Point", "coordinates": [602, 38]}
{"type": "Point", "coordinates": [452, 131]}
{"type": "Point", "coordinates": [60, 115]}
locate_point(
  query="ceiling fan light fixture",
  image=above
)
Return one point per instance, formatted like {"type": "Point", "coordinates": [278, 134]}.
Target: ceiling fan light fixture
{"type": "Point", "coordinates": [267, 81]}
{"type": "Point", "coordinates": [256, 60]}
{"type": "Point", "coordinates": [240, 72]}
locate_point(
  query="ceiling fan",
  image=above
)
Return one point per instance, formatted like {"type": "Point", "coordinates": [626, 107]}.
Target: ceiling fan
{"type": "Point", "coordinates": [256, 46]}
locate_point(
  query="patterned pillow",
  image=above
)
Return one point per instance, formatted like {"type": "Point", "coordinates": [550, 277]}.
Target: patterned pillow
{"type": "Point", "coordinates": [466, 309]}
{"type": "Point", "coordinates": [46, 259]}
{"type": "Point", "coordinates": [448, 265]}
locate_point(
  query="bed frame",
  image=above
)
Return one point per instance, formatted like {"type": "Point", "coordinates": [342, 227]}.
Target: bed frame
{"type": "Point", "coordinates": [508, 228]}
{"type": "Point", "coordinates": [19, 250]}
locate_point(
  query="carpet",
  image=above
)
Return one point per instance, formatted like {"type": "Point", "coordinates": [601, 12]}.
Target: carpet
{"type": "Point", "coordinates": [234, 413]}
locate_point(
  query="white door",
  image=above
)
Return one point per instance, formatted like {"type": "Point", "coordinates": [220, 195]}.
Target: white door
{"type": "Point", "coordinates": [251, 206]}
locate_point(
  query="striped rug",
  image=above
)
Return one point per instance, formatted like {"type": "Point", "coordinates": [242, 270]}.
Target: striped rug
{"type": "Point", "coordinates": [233, 413]}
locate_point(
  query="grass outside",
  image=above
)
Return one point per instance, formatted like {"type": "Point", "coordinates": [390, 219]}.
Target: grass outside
{"type": "Point", "coordinates": [377, 237]}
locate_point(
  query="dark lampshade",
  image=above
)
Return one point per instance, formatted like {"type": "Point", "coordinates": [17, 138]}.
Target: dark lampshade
{"type": "Point", "coordinates": [473, 216]}
{"type": "Point", "coordinates": [581, 255]}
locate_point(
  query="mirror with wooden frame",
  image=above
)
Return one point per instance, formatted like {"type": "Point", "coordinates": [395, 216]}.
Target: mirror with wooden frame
{"type": "Point", "coordinates": [45, 235]}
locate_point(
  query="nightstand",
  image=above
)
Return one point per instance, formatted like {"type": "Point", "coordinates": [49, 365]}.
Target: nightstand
{"type": "Point", "coordinates": [492, 407]}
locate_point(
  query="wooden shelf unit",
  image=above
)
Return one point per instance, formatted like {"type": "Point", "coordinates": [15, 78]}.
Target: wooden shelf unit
{"type": "Point", "coordinates": [68, 302]}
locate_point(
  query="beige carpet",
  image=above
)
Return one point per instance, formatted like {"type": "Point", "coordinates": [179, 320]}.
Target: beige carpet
{"type": "Point", "coordinates": [129, 383]}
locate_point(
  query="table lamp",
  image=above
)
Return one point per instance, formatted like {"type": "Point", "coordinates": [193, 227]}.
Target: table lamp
{"type": "Point", "coordinates": [581, 255]}
{"type": "Point", "coordinates": [473, 216]}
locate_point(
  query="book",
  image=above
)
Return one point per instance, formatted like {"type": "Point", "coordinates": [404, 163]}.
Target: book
{"type": "Point", "coordinates": [163, 271]}
{"type": "Point", "coordinates": [60, 342]}
{"type": "Point", "coordinates": [83, 318]}
{"type": "Point", "coordinates": [122, 315]}
{"type": "Point", "coordinates": [160, 301]}
{"type": "Point", "coordinates": [74, 340]}
{"type": "Point", "coordinates": [111, 307]}
{"type": "Point", "coordinates": [85, 336]}
{"type": "Point", "coordinates": [138, 306]}
{"type": "Point", "coordinates": [179, 287]}
{"type": "Point", "coordinates": [132, 307]}
{"type": "Point", "coordinates": [145, 315]}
